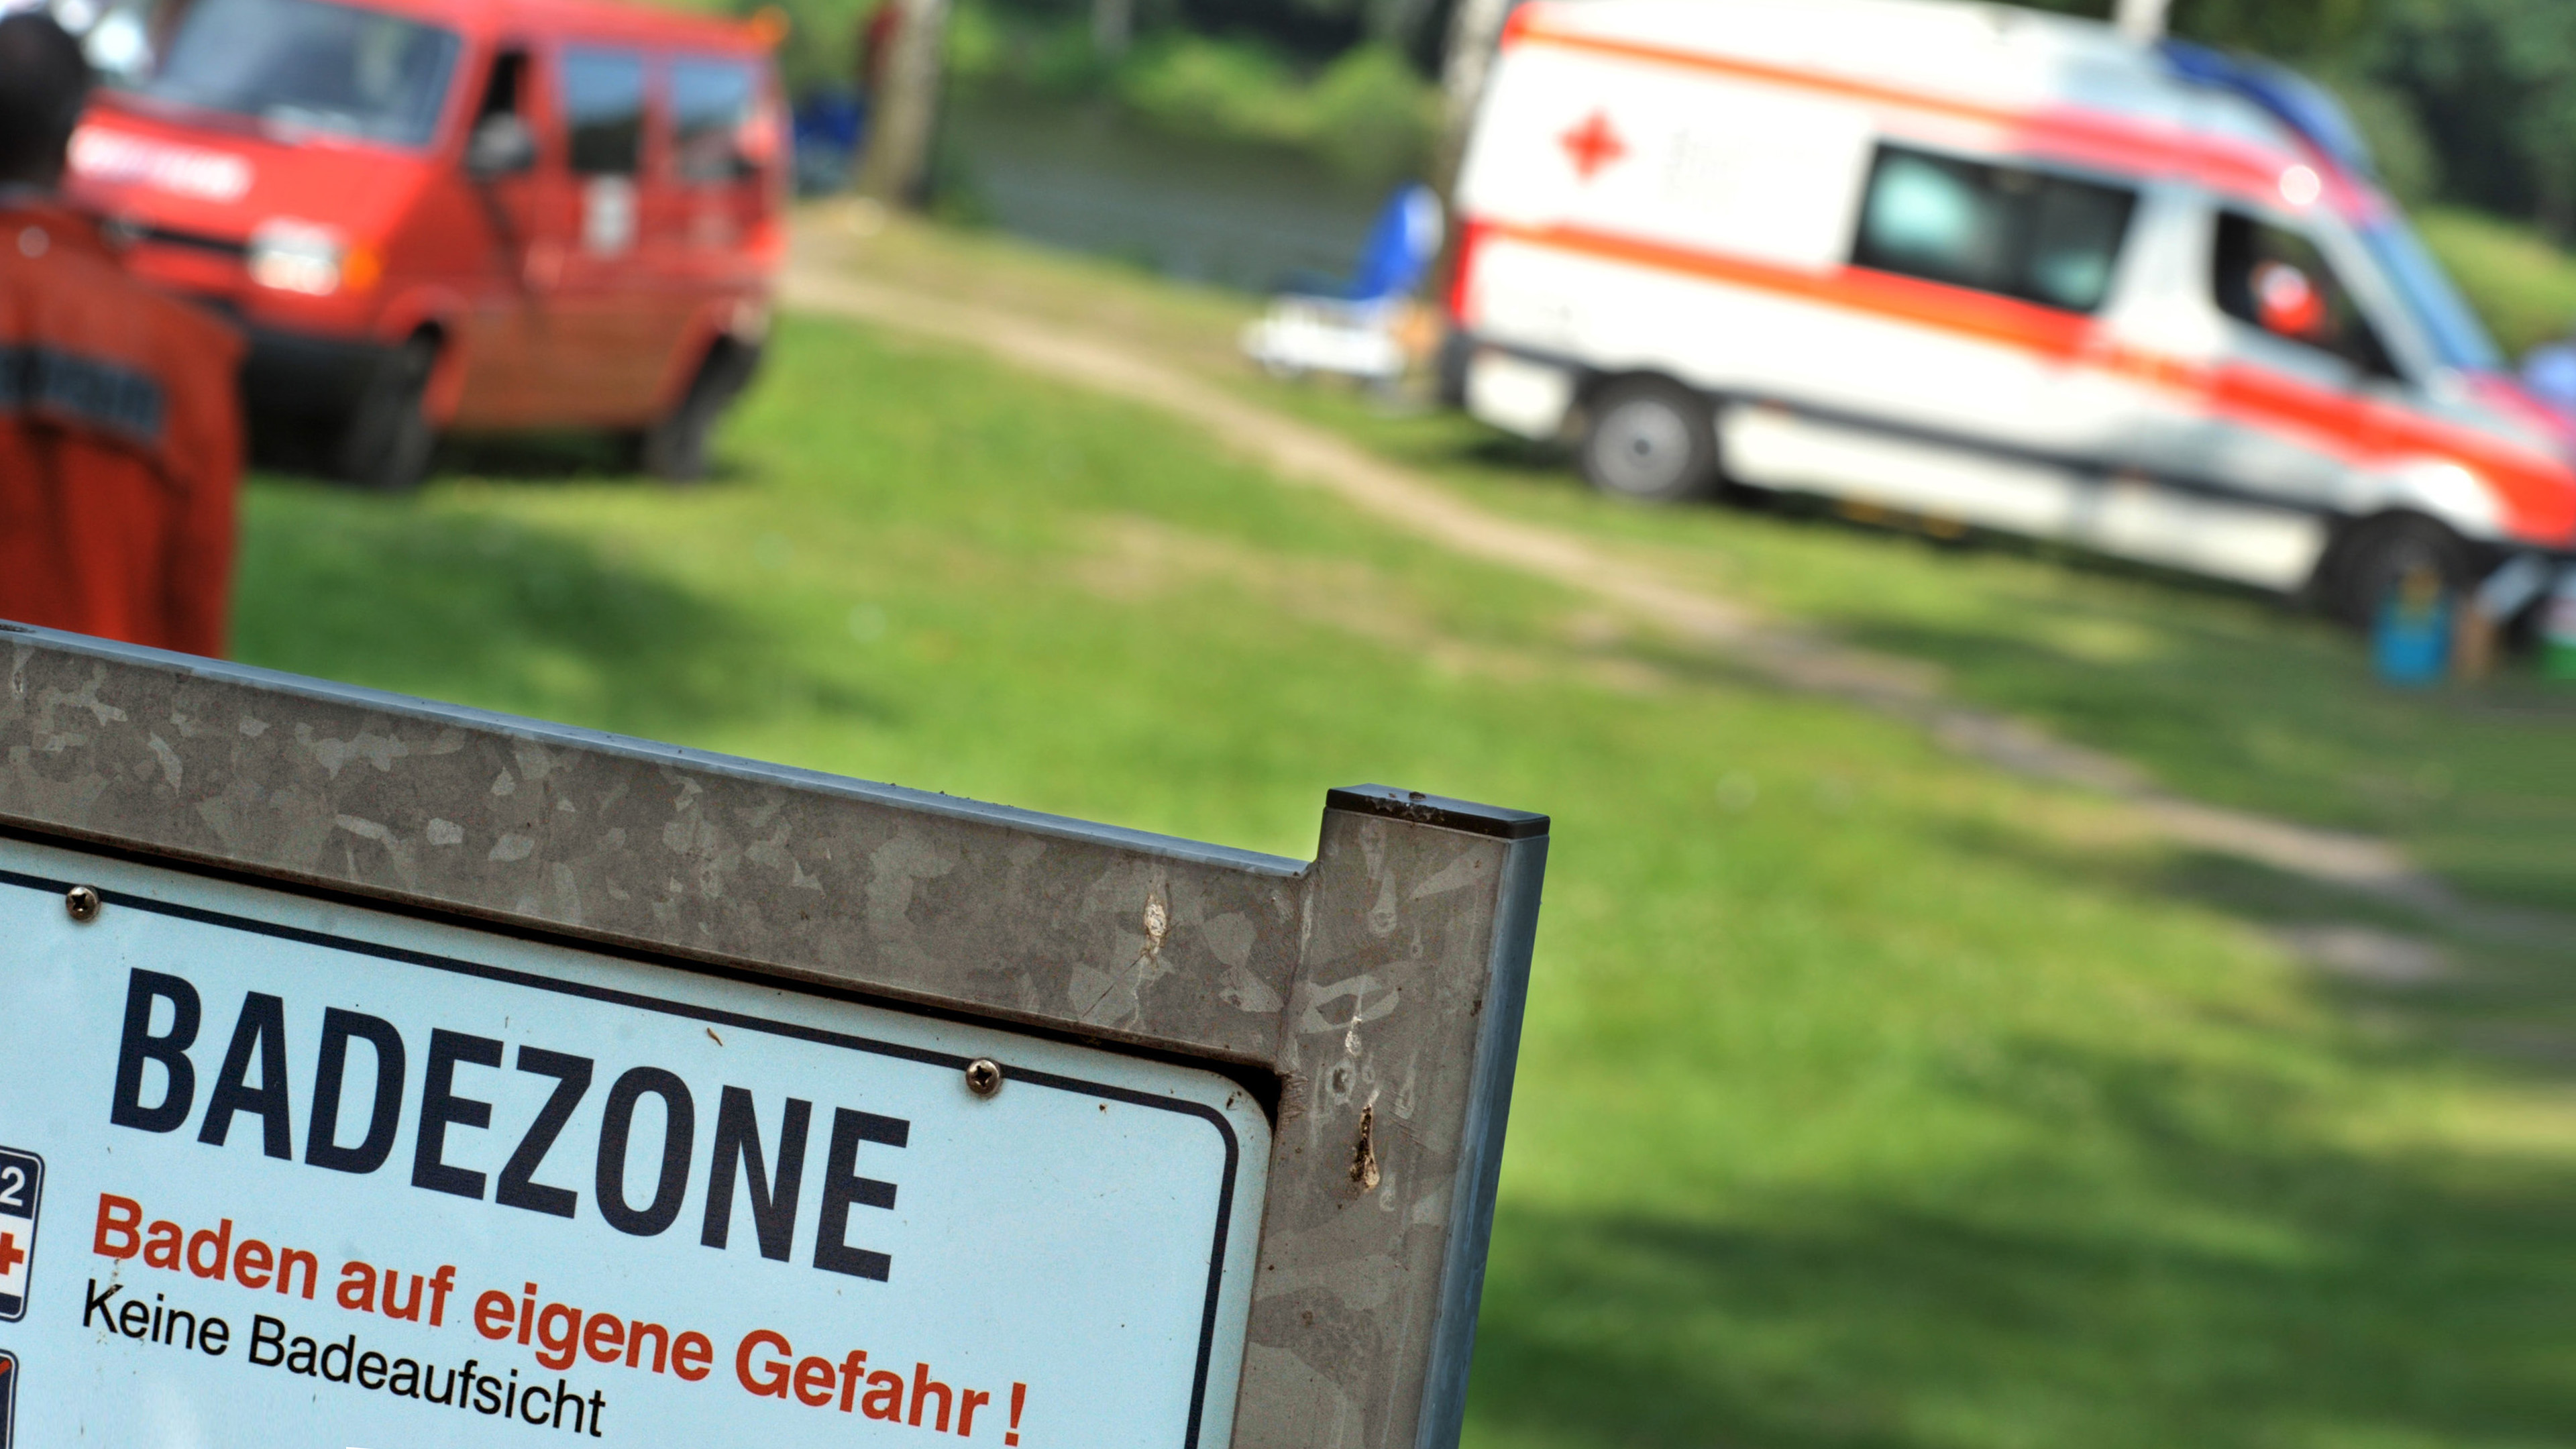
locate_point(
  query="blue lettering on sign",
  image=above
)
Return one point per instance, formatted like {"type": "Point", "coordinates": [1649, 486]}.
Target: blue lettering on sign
{"type": "Point", "coordinates": [156, 1091]}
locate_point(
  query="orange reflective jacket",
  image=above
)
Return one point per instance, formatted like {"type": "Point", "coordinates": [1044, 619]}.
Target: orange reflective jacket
{"type": "Point", "coordinates": [120, 442]}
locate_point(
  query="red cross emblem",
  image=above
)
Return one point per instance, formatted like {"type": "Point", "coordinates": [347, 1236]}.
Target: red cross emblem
{"type": "Point", "coordinates": [1592, 145]}
{"type": "Point", "coordinates": [11, 1255]}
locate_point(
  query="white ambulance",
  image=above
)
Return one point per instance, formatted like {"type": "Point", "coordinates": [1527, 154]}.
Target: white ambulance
{"type": "Point", "coordinates": [1991, 267]}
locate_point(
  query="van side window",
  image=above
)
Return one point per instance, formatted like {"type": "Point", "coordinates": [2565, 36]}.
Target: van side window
{"type": "Point", "coordinates": [2274, 279]}
{"type": "Point", "coordinates": [2046, 239]}
{"type": "Point", "coordinates": [603, 101]}
{"type": "Point", "coordinates": [504, 94]}
{"type": "Point", "coordinates": [711, 107]}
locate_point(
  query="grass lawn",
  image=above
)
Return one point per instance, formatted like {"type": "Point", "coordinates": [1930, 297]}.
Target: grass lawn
{"type": "Point", "coordinates": [2220, 694]}
{"type": "Point", "coordinates": [1869, 1098]}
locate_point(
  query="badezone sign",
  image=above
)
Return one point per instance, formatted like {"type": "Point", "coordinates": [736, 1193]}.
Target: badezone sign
{"type": "Point", "coordinates": [350, 1177]}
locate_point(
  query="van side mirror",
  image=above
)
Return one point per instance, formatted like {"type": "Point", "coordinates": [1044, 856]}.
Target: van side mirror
{"type": "Point", "coordinates": [501, 146]}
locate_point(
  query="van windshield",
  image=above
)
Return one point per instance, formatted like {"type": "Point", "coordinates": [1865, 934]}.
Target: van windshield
{"type": "Point", "coordinates": [2457, 336]}
{"type": "Point", "coordinates": [306, 65]}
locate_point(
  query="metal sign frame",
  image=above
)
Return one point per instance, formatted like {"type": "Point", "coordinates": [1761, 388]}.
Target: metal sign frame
{"type": "Point", "coordinates": [1372, 997]}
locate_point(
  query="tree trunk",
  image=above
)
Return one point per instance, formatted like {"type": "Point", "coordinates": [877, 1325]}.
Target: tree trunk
{"type": "Point", "coordinates": [1113, 24]}
{"type": "Point", "coordinates": [906, 108]}
{"type": "Point", "coordinates": [1475, 33]}
{"type": "Point", "coordinates": [1475, 29]}
{"type": "Point", "coordinates": [2141, 21]}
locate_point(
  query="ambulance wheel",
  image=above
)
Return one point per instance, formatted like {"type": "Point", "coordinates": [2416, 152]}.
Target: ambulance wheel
{"type": "Point", "coordinates": [2365, 565]}
{"type": "Point", "coordinates": [389, 439]}
{"type": "Point", "coordinates": [1651, 440]}
{"type": "Point", "coordinates": [675, 447]}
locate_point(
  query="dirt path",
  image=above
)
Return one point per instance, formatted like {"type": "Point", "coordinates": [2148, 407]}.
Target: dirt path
{"type": "Point", "coordinates": [1778, 651]}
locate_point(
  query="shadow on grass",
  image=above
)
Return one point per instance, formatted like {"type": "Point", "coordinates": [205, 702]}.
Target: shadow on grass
{"type": "Point", "coordinates": [2497, 992]}
{"type": "Point", "coordinates": [539, 458]}
{"type": "Point", "coordinates": [2178, 1256]}
{"type": "Point", "coordinates": [480, 610]}
{"type": "Point", "coordinates": [2287, 720]}
{"type": "Point", "coordinates": [582, 456]}
{"type": "Point", "coordinates": [1537, 463]}
{"type": "Point", "coordinates": [570, 455]}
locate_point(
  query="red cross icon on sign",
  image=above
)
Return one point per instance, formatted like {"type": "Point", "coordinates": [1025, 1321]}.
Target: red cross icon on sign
{"type": "Point", "coordinates": [1592, 145]}
{"type": "Point", "coordinates": [11, 1255]}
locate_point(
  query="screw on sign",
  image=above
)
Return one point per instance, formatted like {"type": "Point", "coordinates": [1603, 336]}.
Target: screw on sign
{"type": "Point", "coordinates": [22, 1183]}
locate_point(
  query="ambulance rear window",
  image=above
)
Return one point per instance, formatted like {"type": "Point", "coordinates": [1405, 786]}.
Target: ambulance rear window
{"type": "Point", "coordinates": [2048, 239]}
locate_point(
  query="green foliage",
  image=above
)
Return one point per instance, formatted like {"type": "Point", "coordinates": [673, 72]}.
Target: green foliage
{"type": "Point", "coordinates": [2522, 285]}
{"type": "Point", "coordinates": [987, 43]}
{"type": "Point", "coordinates": [2386, 116]}
{"type": "Point", "coordinates": [1191, 84]}
{"type": "Point", "coordinates": [2495, 83]}
{"type": "Point", "coordinates": [2291, 29]}
{"type": "Point", "coordinates": [1372, 116]}
{"type": "Point", "coordinates": [820, 51]}
{"type": "Point", "coordinates": [1367, 113]}
{"type": "Point", "coordinates": [2288, 29]}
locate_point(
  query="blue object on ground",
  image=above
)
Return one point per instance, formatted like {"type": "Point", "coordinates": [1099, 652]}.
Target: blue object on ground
{"type": "Point", "coordinates": [828, 128]}
{"type": "Point", "coordinates": [2411, 643]}
{"type": "Point", "coordinates": [1400, 246]}
{"type": "Point", "coordinates": [1350, 328]}
{"type": "Point", "coordinates": [832, 118]}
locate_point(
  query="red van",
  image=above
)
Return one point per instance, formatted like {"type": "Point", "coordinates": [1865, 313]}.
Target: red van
{"type": "Point", "coordinates": [482, 215]}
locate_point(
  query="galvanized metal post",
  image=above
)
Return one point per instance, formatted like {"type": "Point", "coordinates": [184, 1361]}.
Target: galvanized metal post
{"type": "Point", "coordinates": [1401, 1028]}
{"type": "Point", "coordinates": [1378, 990]}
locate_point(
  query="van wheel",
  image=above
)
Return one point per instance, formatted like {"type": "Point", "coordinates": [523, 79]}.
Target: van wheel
{"type": "Point", "coordinates": [389, 439]}
{"type": "Point", "coordinates": [675, 447]}
{"type": "Point", "coordinates": [2367, 563]}
{"type": "Point", "coordinates": [1651, 440]}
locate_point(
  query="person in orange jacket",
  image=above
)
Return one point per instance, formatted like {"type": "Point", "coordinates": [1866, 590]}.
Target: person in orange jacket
{"type": "Point", "coordinates": [120, 431]}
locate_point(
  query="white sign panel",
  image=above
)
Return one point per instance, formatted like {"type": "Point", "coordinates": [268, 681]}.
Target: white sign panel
{"type": "Point", "coordinates": [349, 1178]}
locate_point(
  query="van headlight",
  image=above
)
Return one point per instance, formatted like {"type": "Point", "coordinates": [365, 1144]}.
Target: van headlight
{"type": "Point", "coordinates": [296, 256]}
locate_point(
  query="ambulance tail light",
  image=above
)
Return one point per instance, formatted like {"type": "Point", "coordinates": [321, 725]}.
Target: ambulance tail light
{"type": "Point", "coordinates": [1471, 236]}
{"type": "Point", "coordinates": [299, 256]}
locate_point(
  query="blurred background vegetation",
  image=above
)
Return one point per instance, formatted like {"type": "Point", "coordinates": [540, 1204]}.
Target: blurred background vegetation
{"type": "Point", "coordinates": [2470, 105]}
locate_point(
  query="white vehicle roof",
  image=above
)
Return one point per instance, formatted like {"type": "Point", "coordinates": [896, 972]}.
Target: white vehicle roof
{"type": "Point", "coordinates": [1987, 57]}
